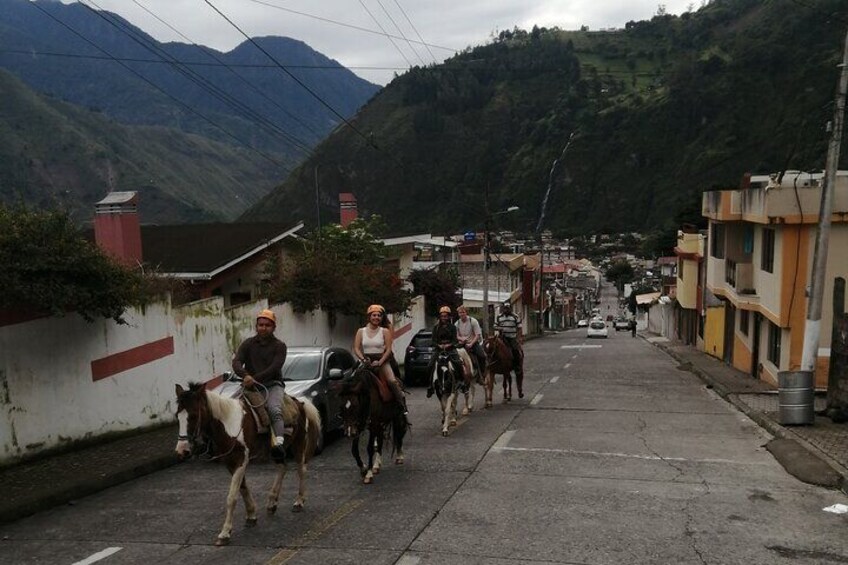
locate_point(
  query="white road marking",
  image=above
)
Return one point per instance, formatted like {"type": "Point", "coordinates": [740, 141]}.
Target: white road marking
{"type": "Point", "coordinates": [502, 441]}
{"type": "Point", "coordinates": [567, 365]}
{"type": "Point", "coordinates": [594, 346]}
{"type": "Point", "coordinates": [99, 556]}
{"type": "Point", "coordinates": [622, 455]}
{"type": "Point", "coordinates": [536, 399]}
{"type": "Point", "coordinates": [554, 379]}
{"type": "Point", "coordinates": [408, 560]}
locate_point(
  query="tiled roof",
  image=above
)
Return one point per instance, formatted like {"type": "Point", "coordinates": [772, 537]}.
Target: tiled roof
{"type": "Point", "coordinates": [203, 248]}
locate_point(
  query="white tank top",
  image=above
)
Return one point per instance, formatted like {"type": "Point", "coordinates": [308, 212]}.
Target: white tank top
{"type": "Point", "coordinates": [375, 345]}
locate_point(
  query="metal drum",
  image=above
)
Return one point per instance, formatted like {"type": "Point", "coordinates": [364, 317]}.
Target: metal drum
{"type": "Point", "coordinates": [796, 397]}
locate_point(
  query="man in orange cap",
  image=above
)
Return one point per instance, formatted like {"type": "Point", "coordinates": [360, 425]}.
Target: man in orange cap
{"type": "Point", "coordinates": [260, 359]}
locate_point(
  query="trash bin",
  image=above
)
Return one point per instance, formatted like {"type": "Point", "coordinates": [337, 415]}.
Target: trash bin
{"type": "Point", "coordinates": [796, 397]}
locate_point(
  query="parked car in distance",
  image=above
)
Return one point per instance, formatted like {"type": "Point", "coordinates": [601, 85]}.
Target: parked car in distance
{"type": "Point", "coordinates": [583, 324]}
{"type": "Point", "coordinates": [417, 358]}
{"type": "Point", "coordinates": [310, 372]}
{"type": "Point", "coordinates": [597, 328]}
{"type": "Point", "coordinates": [621, 324]}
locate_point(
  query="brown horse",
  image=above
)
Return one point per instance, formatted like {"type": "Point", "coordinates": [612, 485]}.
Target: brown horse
{"type": "Point", "coordinates": [500, 361]}
{"type": "Point", "coordinates": [364, 407]}
{"type": "Point", "coordinates": [226, 429]}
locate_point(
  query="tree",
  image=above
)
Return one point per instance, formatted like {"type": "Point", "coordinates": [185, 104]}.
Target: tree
{"type": "Point", "coordinates": [50, 267]}
{"type": "Point", "coordinates": [620, 272]}
{"type": "Point", "coordinates": [439, 288]}
{"type": "Point", "coordinates": [340, 270]}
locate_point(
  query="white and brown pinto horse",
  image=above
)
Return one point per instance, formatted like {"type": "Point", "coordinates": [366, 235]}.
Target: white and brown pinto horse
{"type": "Point", "coordinates": [227, 430]}
{"type": "Point", "coordinates": [448, 381]}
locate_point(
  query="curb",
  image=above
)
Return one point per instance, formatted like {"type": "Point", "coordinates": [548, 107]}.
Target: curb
{"type": "Point", "coordinates": [758, 417]}
{"type": "Point", "coordinates": [85, 487]}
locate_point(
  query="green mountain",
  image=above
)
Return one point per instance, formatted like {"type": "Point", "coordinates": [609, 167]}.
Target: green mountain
{"type": "Point", "coordinates": [660, 111]}
{"type": "Point", "coordinates": [238, 97]}
{"type": "Point", "coordinates": [54, 154]}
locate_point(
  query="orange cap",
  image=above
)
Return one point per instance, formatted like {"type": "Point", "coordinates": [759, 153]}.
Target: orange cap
{"type": "Point", "coordinates": [445, 310]}
{"type": "Point", "coordinates": [376, 308]}
{"type": "Point", "coordinates": [267, 314]}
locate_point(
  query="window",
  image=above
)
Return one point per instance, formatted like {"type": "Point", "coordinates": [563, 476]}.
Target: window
{"type": "Point", "coordinates": [767, 259]}
{"type": "Point", "coordinates": [743, 322]}
{"type": "Point", "coordinates": [774, 344]}
{"type": "Point", "coordinates": [680, 268]}
{"type": "Point", "coordinates": [717, 241]}
{"type": "Point", "coordinates": [748, 239]}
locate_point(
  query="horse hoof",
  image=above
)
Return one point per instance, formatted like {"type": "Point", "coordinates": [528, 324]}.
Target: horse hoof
{"type": "Point", "coordinates": [399, 461]}
{"type": "Point", "coordinates": [250, 522]}
{"type": "Point", "coordinates": [488, 405]}
{"type": "Point", "coordinates": [520, 395]}
{"type": "Point", "coordinates": [220, 542]}
{"type": "Point", "coordinates": [367, 480]}
{"type": "Point", "coordinates": [271, 509]}
{"type": "Point", "coordinates": [465, 411]}
{"type": "Point", "coordinates": [297, 507]}
{"type": "Point", "coordinates": [444, 433]}
{"type": "Point", "coordinates": [375, 470]}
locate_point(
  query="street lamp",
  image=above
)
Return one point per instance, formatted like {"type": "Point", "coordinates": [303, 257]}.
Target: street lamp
{"type": "Point", "coordinates": [489, 217]}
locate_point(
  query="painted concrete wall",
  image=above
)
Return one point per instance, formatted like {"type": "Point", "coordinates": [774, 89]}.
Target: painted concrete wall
{"type": "Point", "coordinates": [714, 331]}
{"type": "Point", "coordinates": [662, 320]}
{"type": "Point", "coordinates": [65, 380]}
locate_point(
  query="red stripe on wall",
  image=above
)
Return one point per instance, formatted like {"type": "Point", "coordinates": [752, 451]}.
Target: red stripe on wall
{"type": "Point", "coordinates": [399, 332]}
{"type": "Point", "coordinates": [131, 358]}
{"type": "Point", "coordinates": [213, 382]}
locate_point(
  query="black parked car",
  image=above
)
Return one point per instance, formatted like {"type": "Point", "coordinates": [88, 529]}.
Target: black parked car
{"type": "Point", "coordinates": [310, 372]}
{"type": "Point", "coordinates": [417, 358]}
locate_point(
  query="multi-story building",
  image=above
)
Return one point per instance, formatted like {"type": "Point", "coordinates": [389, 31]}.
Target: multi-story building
{"type": "Point", "coordinates": [761, 245]}
{"type": "Point", "coordinates": [690, 270]}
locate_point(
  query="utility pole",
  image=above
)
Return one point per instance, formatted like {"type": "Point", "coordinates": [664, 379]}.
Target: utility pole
{"type": "Point", "coordinates": [486, 263]}
{"type": "Point", "coordinates": [812, 328]}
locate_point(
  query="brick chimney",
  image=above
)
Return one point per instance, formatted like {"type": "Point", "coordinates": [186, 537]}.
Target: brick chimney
{"type": "Point", "coordinates": [347, 207]}
{"type": "Point", "coordinates": [116, 227]}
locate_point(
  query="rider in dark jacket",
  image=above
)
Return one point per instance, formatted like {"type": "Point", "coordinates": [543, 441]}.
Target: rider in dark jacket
{"type": "Point", "coordinates": [444, 333]}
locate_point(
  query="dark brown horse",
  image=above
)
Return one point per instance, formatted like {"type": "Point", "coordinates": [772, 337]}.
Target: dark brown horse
{"type": "Point", "coordinates": [500, 361]}
{"type": "Point", "coordinates": [363, 407]}
{"type": "Point", "coordinates": [226, 429]}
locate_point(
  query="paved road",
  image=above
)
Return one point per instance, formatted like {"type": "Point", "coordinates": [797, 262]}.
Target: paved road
{"type": "Point", "coordinates": [614, 456]}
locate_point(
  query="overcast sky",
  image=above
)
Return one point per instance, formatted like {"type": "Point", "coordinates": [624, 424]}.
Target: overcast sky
{"type": "Point", "coordinates": [451, 24]}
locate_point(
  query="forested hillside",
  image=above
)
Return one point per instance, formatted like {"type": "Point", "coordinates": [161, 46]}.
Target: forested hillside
{"type": "Point", "coordinates": [56, 155]}
{"type": "Point", "coordinates": [69, 52]}
{"type": "Point", "coordinates": [660, 112]}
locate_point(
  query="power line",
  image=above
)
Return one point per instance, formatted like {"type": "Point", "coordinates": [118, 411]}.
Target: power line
{"type": "Point", "coordinates": [392, 41]}
{"type": "Point", "coordinates": [195, 63]}
{"type": "Point", "coordinates": [400, 31]}
{"type": "Point", "coordinates": [157, 87]}
{"type": "Point", "coordinates": [347, 122]}
{"type": "Point", "coordinates": [343, 24]}
{"type": "Point", "coordinates": [253, 87]}
{"type": "Point", "coordinates": [200, 81]}
{"type": "Point", "coordinates": [402, 11]}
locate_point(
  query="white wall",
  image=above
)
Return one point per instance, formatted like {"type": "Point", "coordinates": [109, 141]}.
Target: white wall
{"type": "Point", "coordinates": [48, 397]}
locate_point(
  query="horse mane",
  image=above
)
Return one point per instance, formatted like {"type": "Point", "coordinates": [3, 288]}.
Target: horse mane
{"type": "Point", "coordinates": [228, 411]}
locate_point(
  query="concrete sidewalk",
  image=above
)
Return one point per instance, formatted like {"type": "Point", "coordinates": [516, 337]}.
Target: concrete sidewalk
{"type": "Point", "coordinates": [825, 441]}
{"type": "Point", "coordinates": [49, 481]}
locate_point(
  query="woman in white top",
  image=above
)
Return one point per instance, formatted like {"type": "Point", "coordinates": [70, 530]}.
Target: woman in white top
{"type": "Point", "coordinates": [373, 346]}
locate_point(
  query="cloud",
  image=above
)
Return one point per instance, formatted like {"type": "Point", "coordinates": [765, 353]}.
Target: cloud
{"type": "Point", "coordinates": [448, 23]}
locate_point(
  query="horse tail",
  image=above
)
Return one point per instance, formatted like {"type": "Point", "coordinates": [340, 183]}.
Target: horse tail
{"type": "Point", "coordinates": [313, 424]}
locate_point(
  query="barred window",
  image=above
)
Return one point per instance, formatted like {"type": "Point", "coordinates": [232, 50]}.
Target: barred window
{"type": "Point", "coordinates": [767, 262]}
{"type": "Point", "coordinates": [774, 344]}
